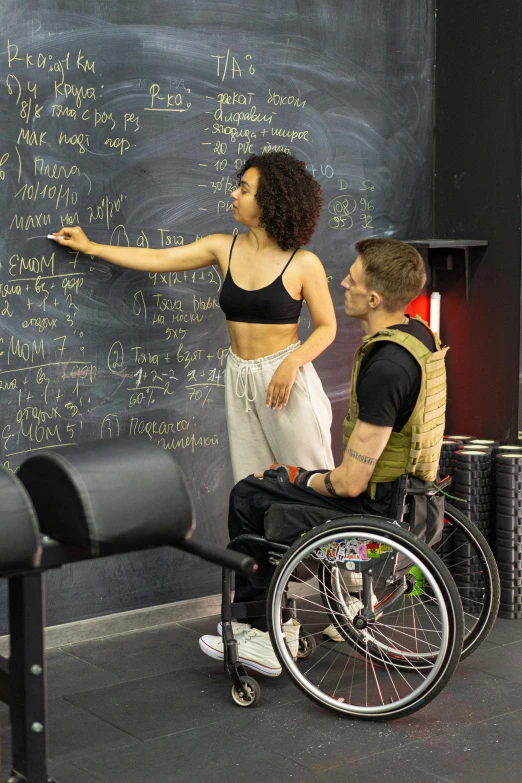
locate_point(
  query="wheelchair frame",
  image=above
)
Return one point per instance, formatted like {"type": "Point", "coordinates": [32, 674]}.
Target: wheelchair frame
{"type": "Point", "coordinates": [245, 690]}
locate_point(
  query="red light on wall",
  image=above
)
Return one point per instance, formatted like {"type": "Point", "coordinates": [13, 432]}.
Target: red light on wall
{"type": "Point", "coordinates": [420, 306]}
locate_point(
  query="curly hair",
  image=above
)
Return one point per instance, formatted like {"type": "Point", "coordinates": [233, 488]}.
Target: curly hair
{"type": "Point", "coordinates": [289, 197]}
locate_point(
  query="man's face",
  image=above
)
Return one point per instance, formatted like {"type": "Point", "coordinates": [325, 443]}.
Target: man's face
{"type": "Point", "coordinates": [356, 296]}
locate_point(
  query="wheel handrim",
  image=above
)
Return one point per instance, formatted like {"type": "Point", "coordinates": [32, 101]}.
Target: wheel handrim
{"type": "Point", "coordinates": [476, 610]}
{"type": "Point", "coordinates": [339, 702]}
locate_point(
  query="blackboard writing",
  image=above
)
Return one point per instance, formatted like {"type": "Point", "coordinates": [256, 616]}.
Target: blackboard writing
{"type": "Point", "coordinates": [135, 131]}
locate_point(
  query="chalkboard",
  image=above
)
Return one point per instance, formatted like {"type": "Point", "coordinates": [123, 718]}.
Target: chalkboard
{"type": "Point", "coordinates": [131, 120]}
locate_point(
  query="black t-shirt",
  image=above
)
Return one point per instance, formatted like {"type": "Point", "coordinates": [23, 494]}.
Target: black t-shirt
{"type": "Point", "coordinates": [389, 380]}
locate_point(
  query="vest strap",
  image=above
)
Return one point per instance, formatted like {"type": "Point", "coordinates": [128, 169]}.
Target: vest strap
{"type": "Point", "coordinates": [416, 449]}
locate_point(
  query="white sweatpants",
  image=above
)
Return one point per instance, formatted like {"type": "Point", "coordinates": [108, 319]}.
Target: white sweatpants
{"type": "Point", "coordinates": [298, 434]}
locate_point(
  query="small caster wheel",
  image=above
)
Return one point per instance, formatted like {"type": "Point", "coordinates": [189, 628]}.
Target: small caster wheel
{"type": "Point", "coordinates": [307, 645]}
{"type": "Point", "coordinates": [251, 692]}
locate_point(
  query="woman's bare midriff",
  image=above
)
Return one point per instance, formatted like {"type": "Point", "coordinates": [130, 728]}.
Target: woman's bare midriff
{"type": "Point", "coordinates": [253, 341]}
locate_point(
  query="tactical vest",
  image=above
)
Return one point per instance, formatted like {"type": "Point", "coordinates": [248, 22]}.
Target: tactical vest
{"type": "Point", "coordinates": [416, 448]}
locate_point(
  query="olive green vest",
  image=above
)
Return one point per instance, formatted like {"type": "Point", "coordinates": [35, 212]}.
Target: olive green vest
{"type": "Point", "coordinates": [416, 448]}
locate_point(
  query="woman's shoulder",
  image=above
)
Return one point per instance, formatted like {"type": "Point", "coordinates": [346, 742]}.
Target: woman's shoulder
{"type": "Point", "coordinates": [308, 261]}
{"type": "Point", "coordinates": [218, 246]}
{"type": "Point", "coordinates": [221, 238]}
{"type": "Point", "coordinates": [219, 242]}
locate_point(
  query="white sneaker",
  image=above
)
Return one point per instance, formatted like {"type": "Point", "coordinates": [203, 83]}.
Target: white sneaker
{"type": "Point", "coordinates": [331, 634]}
{"type": "Point", "coordinates": [354, 606]}
{"type": "Point", "coordinates": [291, 629]}
{"type": "Point", "coordinates": [353, 580]}
{"type": "Point", "coordinates": [237, 628]}
{"type": "Point", "coordinates": [254, 650]}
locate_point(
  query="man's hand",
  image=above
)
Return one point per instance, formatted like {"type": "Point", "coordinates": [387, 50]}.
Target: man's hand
{"type": "Point", "coordinates": [287, 474]}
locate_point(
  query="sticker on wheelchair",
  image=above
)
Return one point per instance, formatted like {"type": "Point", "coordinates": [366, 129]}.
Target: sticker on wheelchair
{"type": "Point", "coordinates": [349, 551]}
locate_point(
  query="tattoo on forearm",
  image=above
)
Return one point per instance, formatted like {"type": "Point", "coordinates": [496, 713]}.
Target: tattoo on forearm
{"type": "Point", "coordinates": [360, 457]}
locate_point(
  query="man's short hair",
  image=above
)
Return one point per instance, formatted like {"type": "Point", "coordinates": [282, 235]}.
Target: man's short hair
{"type": "Point", "coordinates": [394, 269]}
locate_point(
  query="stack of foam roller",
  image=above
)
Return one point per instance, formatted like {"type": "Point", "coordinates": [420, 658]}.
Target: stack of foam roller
{"type": "Point", "coordinates": [472, 484]}
{"type": "Point", "coordinates": [508, 545]}
{"type": "Point", "coordinates": [450, 445]}
{"type": "Point", "coordinates": [492, 447]}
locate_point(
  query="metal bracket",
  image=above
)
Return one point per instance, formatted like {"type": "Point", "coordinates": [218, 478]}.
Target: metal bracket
{"type": "Point", "coordinates": [471, 249]}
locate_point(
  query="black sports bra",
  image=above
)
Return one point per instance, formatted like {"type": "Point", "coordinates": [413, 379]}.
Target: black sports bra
{"type": "Point", "coordinates": [271, 304]}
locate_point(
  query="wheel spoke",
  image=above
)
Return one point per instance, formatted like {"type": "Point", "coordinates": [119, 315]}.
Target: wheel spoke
{"type": "Point", "coordinates": [383, 658]}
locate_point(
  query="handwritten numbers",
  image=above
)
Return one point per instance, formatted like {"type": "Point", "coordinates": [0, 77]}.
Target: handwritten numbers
{"type": "Point", "coordinates": [115, 358]}
{"type": "Point", "coordinates": [110, 427]}
{"type": "Point", "coordinates": [3, 161]}
{"type": "Point", "coordinates": [341, 208]}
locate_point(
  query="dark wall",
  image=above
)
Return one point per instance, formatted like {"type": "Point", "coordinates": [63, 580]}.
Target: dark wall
{"type": "Point", "coordinates": [95, 351]}
{"type": "Point", "coordinates": [477, 196]}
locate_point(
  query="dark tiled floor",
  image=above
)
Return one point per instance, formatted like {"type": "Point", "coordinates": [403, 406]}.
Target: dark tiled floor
{"type": "Point", "coordinates": [149, 706]}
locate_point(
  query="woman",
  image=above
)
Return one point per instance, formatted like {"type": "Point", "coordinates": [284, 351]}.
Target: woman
{"type": "Point", "coordinates": [277, 410]}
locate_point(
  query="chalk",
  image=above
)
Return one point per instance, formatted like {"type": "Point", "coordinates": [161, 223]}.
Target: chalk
{"type": "Point", "coordinates": [51, 236]}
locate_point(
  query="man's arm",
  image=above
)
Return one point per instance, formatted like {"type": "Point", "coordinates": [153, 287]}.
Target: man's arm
{"type": "Point", "coordinates": [364, 448]}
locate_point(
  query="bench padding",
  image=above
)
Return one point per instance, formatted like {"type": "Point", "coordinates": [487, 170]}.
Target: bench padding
{"type": "Point", "coordinates": [109, 496]}
{"type": "Point", "coordinates": [19, 537]}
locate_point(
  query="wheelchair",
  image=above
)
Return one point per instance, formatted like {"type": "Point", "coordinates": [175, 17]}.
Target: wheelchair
{"type": "Point", "coordinates": [391, 605]}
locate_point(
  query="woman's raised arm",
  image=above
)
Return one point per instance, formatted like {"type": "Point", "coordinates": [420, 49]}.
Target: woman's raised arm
{"type": "Point", "coordinates": [204, 252]}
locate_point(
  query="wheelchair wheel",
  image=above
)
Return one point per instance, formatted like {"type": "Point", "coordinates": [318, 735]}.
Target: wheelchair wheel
{"type": "Point", "coordinates": [251, 692]}
{"type": "Point", "coordinates": [470, 561]}
{"type": "Point", "coordinates": [391, 660]}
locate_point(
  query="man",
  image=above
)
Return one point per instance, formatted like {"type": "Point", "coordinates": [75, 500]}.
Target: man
{"type": "Point", "coordinates": [395, 426]}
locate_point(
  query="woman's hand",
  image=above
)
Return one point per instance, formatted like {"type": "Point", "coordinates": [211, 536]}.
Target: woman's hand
{"type": "Point", "coordinates": [73, 238]}
{"type": "Point", "coordinates": [279, 388]}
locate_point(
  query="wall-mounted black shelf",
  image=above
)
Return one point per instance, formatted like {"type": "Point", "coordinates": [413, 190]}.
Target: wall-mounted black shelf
{"type": "Point", "coordinates": [471, 250]}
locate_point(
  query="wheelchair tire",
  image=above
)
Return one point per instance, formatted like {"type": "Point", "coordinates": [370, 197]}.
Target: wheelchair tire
{"type": "Point", "coordinates": [388, 684]}
{"type": "Point", "coordinates": [470, 561]}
